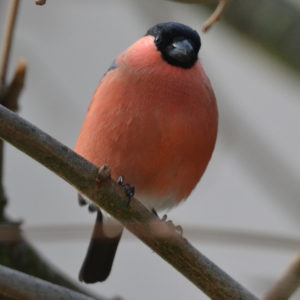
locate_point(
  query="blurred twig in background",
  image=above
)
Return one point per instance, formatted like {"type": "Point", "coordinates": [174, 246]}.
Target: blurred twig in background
{"type": "Point", "coordinates": [8, 38]}
{"type": "Point", "coordinates": [216, 15]}
{"type": "Point", "coordinates": [4, 59]}
{"type": "Point", "coordinates": [287, 284]}
{"type": "Point", "coordinates": [233, 237]}
{"type": "Point", "coordinates": [40, 2]}
{"type": "Point", "coordinates": [18, 285]}
{"type": "Point", "coordinates": [273, 24]}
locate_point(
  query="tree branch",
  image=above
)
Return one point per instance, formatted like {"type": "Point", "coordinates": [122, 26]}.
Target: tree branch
{"type": "Point", "coordinates": [8, 37]}
{"type": "Point", "coordinates": [216, 236]}
{"type": "Point", "coordinates": [287, 284]}
{"type": "Point", "coordinates": [216, 15]}
{"type": "Point", "coordinates": [97, 185]}
{"type": "Point", "coordinates": [9, 94]}
{"type": "Point", "coordinates": [19, 285]}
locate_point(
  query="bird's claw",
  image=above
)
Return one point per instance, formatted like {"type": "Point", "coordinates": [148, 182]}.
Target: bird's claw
{"type": "Point", "coordinates": [170, 223]}
{"type": "Point", "coordinates": [91, 207]}
{"type": "Point", "coordinates": [120, 180]}
{"type": "Point", "coordinates": [164, 218]}
{"type": "Point", "coordinates": [179, 230]}
{"type": "Point", "coordinates": [154, 212]}
{"type": "Point", "coordinates": [129, 190]}
{"type": "Point", "coordinates": [81, 200]}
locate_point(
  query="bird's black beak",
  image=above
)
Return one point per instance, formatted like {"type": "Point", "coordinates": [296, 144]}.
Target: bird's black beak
{"type": "Point", "coordinates": [181, 51]}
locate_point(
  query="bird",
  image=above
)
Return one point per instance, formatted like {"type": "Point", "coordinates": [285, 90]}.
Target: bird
{"type": "Point", "coordinates": [154, 120]}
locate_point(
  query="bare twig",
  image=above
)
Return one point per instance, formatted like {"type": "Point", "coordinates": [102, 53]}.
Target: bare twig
{"type": "Point", "coordinates": [205, 235]}
{"type": "Point", "coordinates": [18, 285]}
{"type": "Point", "coordinates": [106, 193]}
{"type": "Point", "coordinates": [216, 15]}
{"type": "Point", "coordinates": [8, 37]}
{"type": "Point", "coordinates": [9, 96]}
{"type": "Point", "coordinates": [40, 2]}
{"type": "Point", "coordinates": [4, 59]}
{"type": "Point", "coordinates": [287, 284]}
{"type": "Point", "coordinates": [12, 92]}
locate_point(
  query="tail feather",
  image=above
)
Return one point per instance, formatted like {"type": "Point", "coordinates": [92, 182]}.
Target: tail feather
{"type": "Point", "coordinates": [100, 255]}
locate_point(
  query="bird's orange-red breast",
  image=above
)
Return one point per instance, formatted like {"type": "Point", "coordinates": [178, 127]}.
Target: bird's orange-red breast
{"type": "Point", "coordinates": [153, 118]}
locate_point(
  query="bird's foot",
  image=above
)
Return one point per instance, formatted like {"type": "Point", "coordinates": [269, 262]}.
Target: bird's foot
{"type": "Point", "coordinates": [81, 201]}
{"type": "Point", "coordinates": [91, 207]}
{"type": "Point", "coordinates": [154, 212]}
{"type": "Point", "coordinates": [170, 223]}
{"type": "Point", "coordinates": [129, 190]}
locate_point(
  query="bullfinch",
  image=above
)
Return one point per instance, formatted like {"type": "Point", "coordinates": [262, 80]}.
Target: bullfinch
{"type": "Point", "coordinates": [153, 119]}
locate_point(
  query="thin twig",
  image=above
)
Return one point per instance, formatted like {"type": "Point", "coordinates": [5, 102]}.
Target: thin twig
{"type": "Point", "coordinates": [205, 235]}
{"type": "Point", "coordinates": [40, 2]}
{"type": "Point", "coordinates": [9, 97]}
{"type": "Point", "coordinates": [18, 285]}
{"type": "Point", "coordinates": [7, 42]}
{"type": "Point", "coordinates": [12, 92]}
{"type": "Point", "coordinates": [287, 284]}
{"type": "Point", "coordinates": [4, 59]}
{"type": "Point", "coordinates": [84, 176]}
{"type": "Point", "coordinates": [216, 15]}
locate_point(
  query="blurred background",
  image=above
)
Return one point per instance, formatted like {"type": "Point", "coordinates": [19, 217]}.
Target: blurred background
{"type": "Point", "coordinates": [244, 214]}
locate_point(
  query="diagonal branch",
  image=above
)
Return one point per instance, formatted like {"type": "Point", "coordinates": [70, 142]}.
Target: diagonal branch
{"type": "Point", "coordinates": [18, 285]}
{"type": "Point", "coordinates": [97, 185]}
{"type": "Point", "coordinates": [287, 284]}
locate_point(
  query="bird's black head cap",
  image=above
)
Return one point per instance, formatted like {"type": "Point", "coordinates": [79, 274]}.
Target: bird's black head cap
{"type": "Point", "coordinates": [178, 43]}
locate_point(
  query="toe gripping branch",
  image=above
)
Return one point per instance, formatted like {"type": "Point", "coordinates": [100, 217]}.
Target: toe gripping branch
{"type": "Point", "coordinates": [129, 190]}
{"type": "Point", "coordinates": [102, 175]}
{"type": "Point", "coordinates": [91, 207]}
{"type": "Point", "coordinates": [170, 223]}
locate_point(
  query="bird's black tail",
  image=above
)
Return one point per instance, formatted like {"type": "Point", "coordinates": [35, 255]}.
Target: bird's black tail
{"type": "Point", "coordinates": [100, 255]}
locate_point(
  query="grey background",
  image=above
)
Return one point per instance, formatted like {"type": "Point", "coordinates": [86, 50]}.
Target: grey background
{"type": "Point", "coordinates": [251, 184]}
